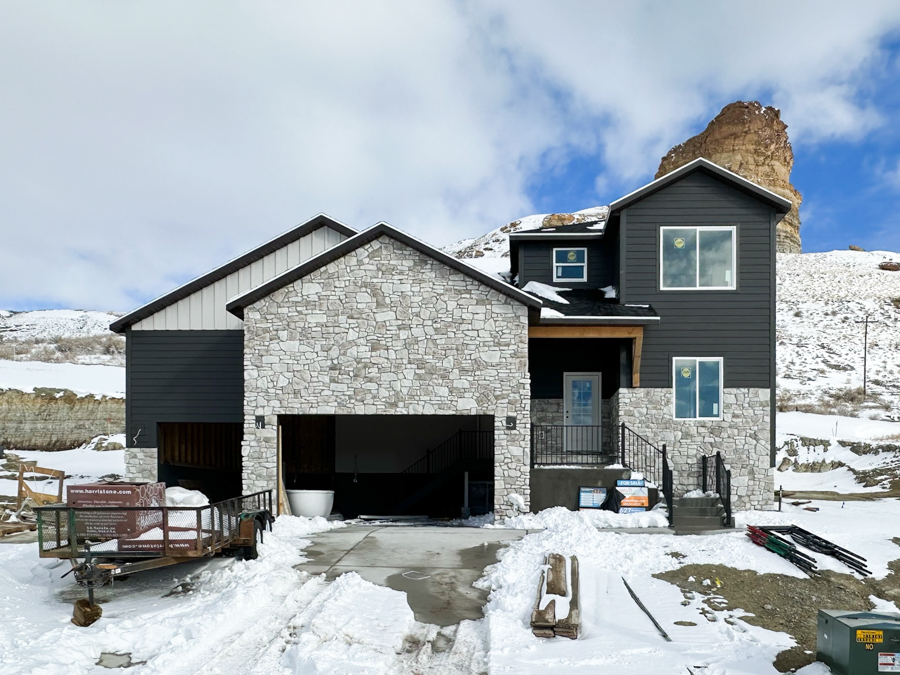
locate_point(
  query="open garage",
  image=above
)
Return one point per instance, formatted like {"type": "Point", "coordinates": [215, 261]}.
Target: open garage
{"type": "Point", "coordinates": [431, 465]}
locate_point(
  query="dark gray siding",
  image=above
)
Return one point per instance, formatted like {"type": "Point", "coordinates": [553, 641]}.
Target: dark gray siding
{"type": "Point", "coordinates": [182, 376]}
{"type": "Point", "coordinates": [536, 262]}
{"type": "Point", "coordinates": [737, 325]}
{"type": "Point", "coordinates": [549, 360]}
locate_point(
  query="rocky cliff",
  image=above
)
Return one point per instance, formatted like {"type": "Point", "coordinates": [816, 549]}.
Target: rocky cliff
{"type": "Point", "coordinates": [751, 140]}
{"type": "Point", "coordinates": [54, 419]}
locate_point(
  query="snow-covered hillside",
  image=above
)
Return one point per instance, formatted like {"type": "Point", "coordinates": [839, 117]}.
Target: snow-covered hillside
{"type": "Point", "coordinates": [60, 336]}
{"type": "Point", "coordinates": [822, 298]}
{"type": "Point", "coordinates": [495, 244]}
{"type": "Point", "coordinates": [49, 323]}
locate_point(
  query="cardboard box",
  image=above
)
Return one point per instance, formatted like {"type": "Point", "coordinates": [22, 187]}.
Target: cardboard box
{"type": "Point", "coordinates": [181, 540]}
{"type": "Point", "coordinates": [112, 523]}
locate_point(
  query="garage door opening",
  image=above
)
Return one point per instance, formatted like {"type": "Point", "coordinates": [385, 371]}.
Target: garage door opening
{"type": "Point", "coordinates": [392, 464]}
{"type": "Point", "coordinates": [201, 456]}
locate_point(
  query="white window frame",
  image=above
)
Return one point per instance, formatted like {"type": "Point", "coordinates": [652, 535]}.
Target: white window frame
{"type": "Point", "coordinates": [584, 264]}
{"type": "Point", "coordinates": [719, 228]}
{"type": "Point", "coordinates": [721, 361]}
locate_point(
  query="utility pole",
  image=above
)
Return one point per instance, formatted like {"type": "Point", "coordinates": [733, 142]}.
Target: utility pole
{"type": "Point", "coordinates": [865, 349]}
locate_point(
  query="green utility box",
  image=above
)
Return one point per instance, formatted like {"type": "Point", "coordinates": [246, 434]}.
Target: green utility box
{"type": "Point", "coordinates": [859, 643]}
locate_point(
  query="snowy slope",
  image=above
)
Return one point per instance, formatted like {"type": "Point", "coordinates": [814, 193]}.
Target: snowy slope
{"type": "Point", "coordinates": [495, 244]}
{"type": "Point", "coordinates": [49, 323]}
{"type": "Point", "coordinates": [821, 296]}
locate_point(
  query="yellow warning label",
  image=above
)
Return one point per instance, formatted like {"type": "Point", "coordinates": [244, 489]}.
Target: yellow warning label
{"type": "Point", "coordinates": [870, 636]}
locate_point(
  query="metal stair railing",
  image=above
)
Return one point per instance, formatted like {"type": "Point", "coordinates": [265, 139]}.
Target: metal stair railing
{"type": "Point", "coordinates": [463, 445]}
{"type": "Point", "coordinates": [639, 454]}
{"type": "Point", "coordinates": [722, 481]}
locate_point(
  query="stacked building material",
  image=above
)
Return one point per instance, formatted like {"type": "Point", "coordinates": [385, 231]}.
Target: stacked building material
{"type": "Point", "coordinates": [556, 608]}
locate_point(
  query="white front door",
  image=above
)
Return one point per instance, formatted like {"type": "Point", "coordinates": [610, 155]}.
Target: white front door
{"type": "Point", "coordinates": [581, 412]}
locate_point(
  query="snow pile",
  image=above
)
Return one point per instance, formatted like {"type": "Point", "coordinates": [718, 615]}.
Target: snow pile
{"type": "Point", "coordinates": [82, 379]}
{"type": "Point", "coordinates": [179, 496]}
{"type": "Point", "coordinates": [551, 293]}
{"type": "Point", "coordinates": [49, 323]}
{"type": "Point", "coordinates": [820, 347]}
{"type": "Point", "coordinates": [616, 636]}
{"type": "Point", "coordinates": [559, 516]}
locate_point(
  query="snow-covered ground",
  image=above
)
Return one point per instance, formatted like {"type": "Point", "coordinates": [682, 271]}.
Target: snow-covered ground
{"type": "Point", "coordinates": [264, 616]}
{"type": "Point", "coordinates": [82, 379]}
{"type": "Point", "coordinates": [828, 441]}
{"type": "Point", "coordinates": [81, 465]}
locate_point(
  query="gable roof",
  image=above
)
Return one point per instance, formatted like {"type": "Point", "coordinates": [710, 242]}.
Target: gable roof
{"type": "Point", "coordinates": [237, 305]}
{"type": "Point", "coordinates": [230, 267]}
{"type": "Point", "coordinates": [779, 203]}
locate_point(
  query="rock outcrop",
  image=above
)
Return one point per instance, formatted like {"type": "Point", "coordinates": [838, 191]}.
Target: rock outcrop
{"type": "Point", "coordinates": [55, 419]}
{"type": "Point", "coordinates": [751, 140]}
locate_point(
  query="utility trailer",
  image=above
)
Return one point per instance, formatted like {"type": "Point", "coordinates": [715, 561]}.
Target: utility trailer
{"type": "Point", "coordinates": [104, 543]}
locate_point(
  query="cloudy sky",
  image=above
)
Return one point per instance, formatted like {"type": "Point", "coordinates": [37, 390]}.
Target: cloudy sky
{"type": "Point", "coordinates": [143, 143]}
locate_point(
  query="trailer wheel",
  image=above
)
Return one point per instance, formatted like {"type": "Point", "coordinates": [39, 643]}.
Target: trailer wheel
{"type": "Point", "coordinates": [250, 552]}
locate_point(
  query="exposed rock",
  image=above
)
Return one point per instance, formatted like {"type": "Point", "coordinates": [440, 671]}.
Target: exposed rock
{"type": "Point", "coordinates": [751, 141]}
{"type": "Point", "coordinates": [889, 266]}
{"type": "Point", "coordinates": [856, 248]}
{"type": "Point", "coordinates": [56, 419]}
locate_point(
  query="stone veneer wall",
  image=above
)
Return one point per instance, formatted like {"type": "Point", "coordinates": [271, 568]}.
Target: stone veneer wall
{"type": "Point", "coordinates": [388, 330]}
{"type": "Point", "coordinates": [742, 436]}
{"type": "Point", "coordinates": [141, 465]}
{"type": "Point", "coordinates": [550, 411]}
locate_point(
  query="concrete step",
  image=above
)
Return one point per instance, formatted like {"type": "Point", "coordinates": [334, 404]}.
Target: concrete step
{"type": "Point", "coordinates": [697, 501]}
{"type": "Point", "coordinates": [710, 511]}
{"type": "Point", "coordinates": [706, 522]}
{"type": "Point", "coordinates": [701, 530]}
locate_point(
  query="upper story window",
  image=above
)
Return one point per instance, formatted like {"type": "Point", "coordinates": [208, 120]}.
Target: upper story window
{"type": "Point", "coordinates": [570, 264]}
{"type": "Point", "coordinates": [697, 258]}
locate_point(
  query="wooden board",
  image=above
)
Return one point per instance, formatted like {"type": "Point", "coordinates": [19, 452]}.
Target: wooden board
{"type": "Point", "coordinates": [570, 626]}
{"type": "Point", "coordinates": [15, 528]}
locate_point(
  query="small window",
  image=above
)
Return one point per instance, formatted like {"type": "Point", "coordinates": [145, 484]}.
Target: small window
{"type": "Point", "coordinates": [570, 264]}
{"type": "Point", "coordinates": [698, 388]}
{"type": "Point", "coordinates": [697, 258]}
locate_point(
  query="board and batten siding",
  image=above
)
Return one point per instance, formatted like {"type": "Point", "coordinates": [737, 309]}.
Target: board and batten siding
{"type": "Point", "coordinates": [737, 325]}
{"type": "Point", "coordinates": [205, 309]}
{"type": "Point", "coordinates": [181, 376]}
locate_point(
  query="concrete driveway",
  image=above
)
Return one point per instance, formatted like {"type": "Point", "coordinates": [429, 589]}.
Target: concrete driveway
{"type": "Point", "coordinates": [434, 566]}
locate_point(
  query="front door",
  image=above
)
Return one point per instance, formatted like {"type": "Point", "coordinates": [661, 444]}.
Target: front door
{"type": "Point", "coordinates": [581, 412]}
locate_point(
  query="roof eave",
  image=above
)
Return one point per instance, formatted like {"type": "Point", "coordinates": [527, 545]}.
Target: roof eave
{"type": "Point", "coordinates": [779, 203]}
{"type": "Point", "coordinates": [237, 305]}
{"type": "Point", "coordinates": [158, 304]}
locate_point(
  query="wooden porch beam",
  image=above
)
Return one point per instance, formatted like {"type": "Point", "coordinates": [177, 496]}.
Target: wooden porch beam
{"type": "Point", "coordinates": [586, 332]}
{"type": "Point", "coordinates": [636, 360]}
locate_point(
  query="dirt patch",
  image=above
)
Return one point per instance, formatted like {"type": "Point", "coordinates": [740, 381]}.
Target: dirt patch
{"type": "Point", "coordinates": [781, 603]}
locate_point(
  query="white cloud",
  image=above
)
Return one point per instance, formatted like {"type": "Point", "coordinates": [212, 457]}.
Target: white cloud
{"type": "Point", "coordinates": [142, 143]}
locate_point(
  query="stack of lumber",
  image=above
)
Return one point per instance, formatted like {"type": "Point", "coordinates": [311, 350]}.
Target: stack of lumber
{"type": "Point", "coordinates": [557, 591]}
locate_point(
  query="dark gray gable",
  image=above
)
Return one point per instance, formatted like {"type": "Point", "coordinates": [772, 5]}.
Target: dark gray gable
{"type": "Point", "coordinates": [780, 204]}
{"type": "Point", "coordinates": [230, 267]}
{"type": "Point", "coordinates": [237, 305]}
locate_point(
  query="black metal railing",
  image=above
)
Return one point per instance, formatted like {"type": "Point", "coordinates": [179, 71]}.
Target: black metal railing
{"type": "Point", "coordinates": [639, 454]}
{"type": "Point", "coordinates": [722, 480]}
{"type": "Point", "coordinates": [668, 483]}
{"type": "Point", "coordinates": [461, 446]}
{"type": "Point", "coordinates": [567, 444]}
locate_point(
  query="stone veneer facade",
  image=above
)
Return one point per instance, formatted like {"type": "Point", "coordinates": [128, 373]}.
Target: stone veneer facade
{"type": "Point", "coordinates": [742, 436]}
{"type": "Point", "coordinates": [387, 330]}
{"type": "Point", "coordinates": [141, 465]}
